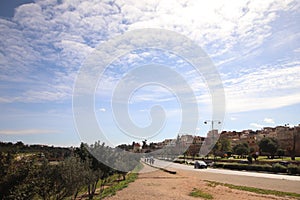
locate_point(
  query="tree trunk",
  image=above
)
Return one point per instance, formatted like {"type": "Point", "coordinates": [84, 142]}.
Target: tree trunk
{"type": "Point", "coordinates": [90, 192]}
{"type": "Point", "coordinates": [75, 195]}
{"type": "Point", "coordinates": [294, 147]}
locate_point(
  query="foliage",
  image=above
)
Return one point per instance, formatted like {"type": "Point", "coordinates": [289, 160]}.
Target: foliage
{"type": "Point", "coordinates": [222, 147]}
{"type": "Point", "coordinates": [279, 168]}
{"type": "Point", "coordinates": [200, 193]}
{"type": "Point", "coordinates": [29, 176]}
{"type": "Point", "coordinates": [95, 170]}
{"type": "Point", "coordinates": [268, 146]}
{"type": "Point", "coordinates": [241, 149]}
{"type": "Point", "coordinates": [74, 173]}
{"type": "Point", "coordinates": [293, 169]}
{"type": "Point", "coordinates": [51, 153]}
{"type": "Point", "coordinates": [193, 150]}
{"type": "Point", "coordinates": [125, 147]}
{"type": "Point", "coordinates": [276, 168]}
{"type": "Point", "coordinates": [255, 156]}
{"type": "Point", "coordinates": [237, 166]}
{"type": "Point", "coordinates": [280, 152]}
{"type": "Point", "coordinates": [14, 178]}
{"type": "Point", "coordinates": [119, 186]}
{"type": "Point", "coordinates": [249, 158]}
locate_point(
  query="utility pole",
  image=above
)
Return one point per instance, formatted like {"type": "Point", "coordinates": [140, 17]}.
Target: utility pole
{"type": "Point", "coordinates": [212, 131]}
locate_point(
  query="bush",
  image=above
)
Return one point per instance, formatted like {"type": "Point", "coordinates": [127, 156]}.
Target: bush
{"type": "Point", "coordinates": [218, 165]}
{"type": "Point", "coordinates": [179, 161]}
{"type": "Point", "coordinates": [256, 167]}
{"type": "Point", "coordinates": [278, 168]}
{"type": "Point", "coordinates": [266, 167]}
{"type": "Point", "coordinates": [234, 166]}
{"type": "Point", "coordinates": [293, 169]}
{"type": "Point", "coordinates": [238, 166]}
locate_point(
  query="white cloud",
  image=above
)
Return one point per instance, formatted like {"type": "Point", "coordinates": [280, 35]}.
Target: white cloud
{"type": "Point", "coordinates": [233, 118]}
{"type": "Point", "coordinates": [28, 132]}
{"type": "Point", "coordinates": [255, 125]}
{"type": "Point", "coordinates": [297, 50]}
{"type": "Point", "coordinates": [102, 109]}
{"type": "Point", "coordinates": [46, 36]}
{"type": "Point", "coordinates": [269, 120]}
{"type": "Point", "coordinates": [264, 88]}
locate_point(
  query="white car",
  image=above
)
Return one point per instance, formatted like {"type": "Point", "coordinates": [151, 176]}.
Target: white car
{"type": "Point", "coordinates": [200, 165]}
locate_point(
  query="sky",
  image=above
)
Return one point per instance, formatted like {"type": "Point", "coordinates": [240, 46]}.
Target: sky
{"type": "Point", "coordinates": [45, 44]}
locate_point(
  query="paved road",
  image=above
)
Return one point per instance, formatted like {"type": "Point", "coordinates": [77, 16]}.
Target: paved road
{"type": "Point", "coordinates": [253, 179]}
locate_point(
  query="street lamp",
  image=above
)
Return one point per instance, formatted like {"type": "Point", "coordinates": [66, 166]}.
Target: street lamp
{"type": "Point", "coordinates": [212, 131]}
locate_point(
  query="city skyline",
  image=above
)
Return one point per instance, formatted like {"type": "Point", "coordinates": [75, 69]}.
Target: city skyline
{"type": "Point", "coordinates": [254, 46]}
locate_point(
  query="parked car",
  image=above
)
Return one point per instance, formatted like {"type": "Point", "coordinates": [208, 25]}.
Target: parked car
{"type": "Point", "coordinates": [200, 165]}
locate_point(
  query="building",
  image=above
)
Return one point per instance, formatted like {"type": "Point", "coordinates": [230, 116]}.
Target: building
{"type": "Point", "coordinates": [288, 138]}
{"type": "Point", "coordinates": [137, 147]}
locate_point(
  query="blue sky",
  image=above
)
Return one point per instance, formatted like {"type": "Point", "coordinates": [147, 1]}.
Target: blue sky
{"type": "Point", "coordinates": [253, 44]}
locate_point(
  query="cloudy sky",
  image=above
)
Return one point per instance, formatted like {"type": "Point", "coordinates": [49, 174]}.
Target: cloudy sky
{"type": "Point", "coordinates": [254, 45]}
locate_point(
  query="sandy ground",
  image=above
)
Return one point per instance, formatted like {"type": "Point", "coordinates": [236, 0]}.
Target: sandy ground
{"type": "Point", "coordinates": [159, 185]}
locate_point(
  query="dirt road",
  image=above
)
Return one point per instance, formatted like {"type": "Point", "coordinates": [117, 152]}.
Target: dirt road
{"type": "Point", "coordinates": [161, 185]}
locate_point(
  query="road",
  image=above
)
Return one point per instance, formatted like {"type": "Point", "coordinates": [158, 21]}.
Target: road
{"type": "Point", "coordinates": [278, 182]}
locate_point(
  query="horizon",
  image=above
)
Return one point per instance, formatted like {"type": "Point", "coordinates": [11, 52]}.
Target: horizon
{"type": "Point", "coordinates": [254, 47]}
{"type": "Point", "coordinates": [74, 146]}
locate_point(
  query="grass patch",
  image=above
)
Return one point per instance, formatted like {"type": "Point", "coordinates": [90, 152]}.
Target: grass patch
{"type": "Point", "coordinates": [110, 191]}
{"type": "Point", "coordinates": [255, 190]}
{"type": "Point", "coordinates": [131, 177]}
{"type": "Point", "coordinates": [138, 168]}
{"type": "Point", "coordinates": [200, 193]}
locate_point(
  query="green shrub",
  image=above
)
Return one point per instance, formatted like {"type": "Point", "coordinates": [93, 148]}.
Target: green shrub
{"type": "Point", "coordinates": [293, 169]}
{"type": "Point", "coordinates": [218, 165]}
{"type": "Point", "coordinates": [278, 168]}
{"type": "Point", "coordinates": [255, 167]}
{"type": "Point", "coordinates": [235, 166]}
{"type": "Point", "coordinates": [266, 167]}
{"type": "Point", "coordinates": [238, 166]}
{"type": "Point", "coordinates": [179, 161]}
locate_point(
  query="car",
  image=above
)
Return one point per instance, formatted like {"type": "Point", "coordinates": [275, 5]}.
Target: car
{"type": "Point", "coordinates": [200, 165]}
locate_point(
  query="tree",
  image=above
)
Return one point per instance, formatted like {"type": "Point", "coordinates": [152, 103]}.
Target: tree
{"type": "Point", "coordinates": [255, 156]}
{"type": "Point", "coordinates": [241, 149]}
{"type": "Point", "coordinates": [269, 146]}
{"type": "Point", "coordinates": [99, 171]}
{"type": "Point", "coordinates": [193, 150]}
{"type": "Point", "coordinates": [222, 147]}
{"type": "Point", "coordinates": [73, 175]}
{"type": "Point", "coordinates": [280, 153]}
{"type": "Point", "coordinates": [48, 181]}
{"type": "Point", "coordinates": [13, 182]}
{"type": "Point", "coordinates": [152, 145]}
{"type": "Point", "coordinates": [144, 146]}
{"type": "Point", "coordinates": [296, 135]}
{"type": "Point", "coordinates": [125, 147]}
{"type": "Point", "coordinates": [225, 145]}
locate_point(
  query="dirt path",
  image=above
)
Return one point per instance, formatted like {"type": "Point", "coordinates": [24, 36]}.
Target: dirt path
{"type": "Point", "coordinates": [159, 185]}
